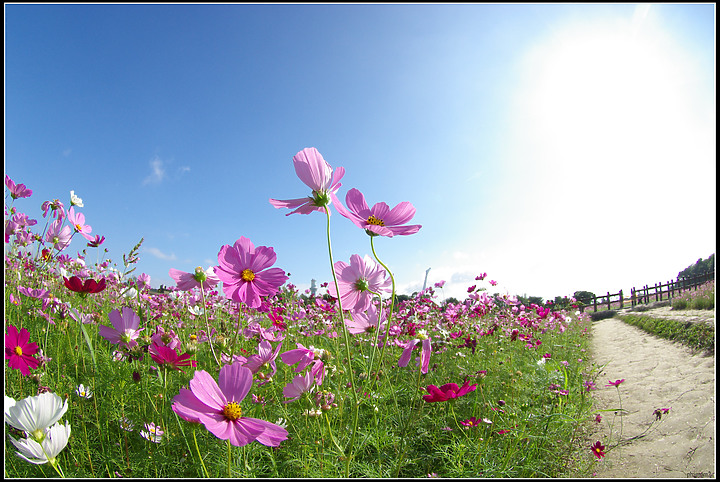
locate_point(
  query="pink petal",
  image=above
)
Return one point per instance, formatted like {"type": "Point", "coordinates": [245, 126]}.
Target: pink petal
{"type": "Point", "coordinates": [235, 381]}
{"type": "Point", "coordinates": [207, 391]}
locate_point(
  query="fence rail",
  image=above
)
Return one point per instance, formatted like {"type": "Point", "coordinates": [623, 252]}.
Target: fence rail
{"type": "Point", "coordinates": [644, 294]}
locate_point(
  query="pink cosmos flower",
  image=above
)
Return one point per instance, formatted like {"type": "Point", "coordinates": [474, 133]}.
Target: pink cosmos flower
{"type": "Point", "coordinates": [380, 220]}
{"type": "Point", "coordinates": [217, 406]}
{"type": "Point", "coordinates": [164, 355]}
{"type": "Point", "coordinates": [299, 385]}
{"type": "Point", "coordinates": [168, 339]}
{"type": "Point", "coordinates": [317, 174]}
{"type": "Point", "coordinates": [356, 281]}
{"type": "Point", "coordinates": [424, 354]}
{"type": "Point", "coordinates": [77, 220]}
{"type": "Point", "coordinates": [188, 281]}
{"type": "Point", "coordinates": [598, 450]}
{"type": "Point", "coordinates": [58, 235]}
{"type": "Point", "coordinates": [125, 328]}
{"type": "Point", "coordinates": [266, 356]}
{"type": "Point", "coordinates": [304, 357]}
{"type": "Point", "coordinates": [471, 422]}
{"type": "Point", "coordinates": [17, 190]}
{"type": "Point", "coordinates": [58, 209]}
{"type": "Point", "coordinates": [38, 293]}
{"type": "Point", "coordinates": [615, 383]}
{"type": "Point", "coordinates": [447, 392]}
{"type": "Point", "coordinates": [365, 321]}
{"type": "Point", "coordinates": [244, 272]}
{"type": "Point", "coordinates": [96, 241]}
{"type": "Point", "coordinates": [20, 353]}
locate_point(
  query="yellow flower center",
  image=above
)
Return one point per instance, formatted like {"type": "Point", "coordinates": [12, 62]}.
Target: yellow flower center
{"type": "Point", "coordinates": [18, 351]}
{"type": "Point", "coordinates": [78, 228]}
{"type": "Point", "coordinates": [373, 220]}
{"type": "Point", "coordinates": [247, 275]}
{"type": "Point", "coordinates": [232, 411]}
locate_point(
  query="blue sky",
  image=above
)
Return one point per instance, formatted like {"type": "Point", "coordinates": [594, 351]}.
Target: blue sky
{"type": "Point", "coordinates": [555, 147]}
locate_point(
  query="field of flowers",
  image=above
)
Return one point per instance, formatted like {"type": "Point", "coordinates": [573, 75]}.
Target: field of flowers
{"type": "Point", "coordinates": [235, 373]}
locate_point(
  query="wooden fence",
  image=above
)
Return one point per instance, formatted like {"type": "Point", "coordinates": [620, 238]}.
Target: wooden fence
{"type": "Point", "coordinates": [645, 294]}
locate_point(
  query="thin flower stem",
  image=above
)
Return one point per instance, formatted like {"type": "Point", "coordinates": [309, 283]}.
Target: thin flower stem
{"type": "Point", "coordinates": [392, 303]}
{"type": "Point", "coordinates": [348, 454]}
{"type": "Point", "coordinates": [229, 473]}
{"type": "Point", "coordinates": [410, 421]}
{"type": "Point", "coordinates": [202, 463]}
{"type": "Point", "coordinates": [207, 324]}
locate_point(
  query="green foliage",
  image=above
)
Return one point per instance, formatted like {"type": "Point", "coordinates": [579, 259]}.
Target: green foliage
{"type": "Point", "coordinates": [701, 266]}
{"type": "Point", "coordinates": [585, 297]}
{"type": "Point", "coordinates": [698, 336]}
{"type": "Point", "coordinates": [602, 315]}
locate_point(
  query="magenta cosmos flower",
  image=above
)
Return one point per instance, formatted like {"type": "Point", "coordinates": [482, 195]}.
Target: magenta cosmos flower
{"type": "Point", "coordinates": [615, 383]}
{"type": "Point", "coordinates": [357, 280]}
{"type": "Point", "coordinates": [244, 272]}
{"type": "Point", "coordinates": [447, 392]}
{"type": "Point", "coordinates": [217, 406]}
{"type": "Point", "coordinates": [380, 220]}
{"type": "Point", "coordinates": [125, 328]}
{"type": "Point", "coordinates": [166, 356]}
{"type": "Point", "coordinates": [317, 174]}
{"type": "Point", "coordinates": [17, 190]}
{"type": "Point", "coordinates": [188, 281]}
{"type": "Point", "coordinates": [19, 352]}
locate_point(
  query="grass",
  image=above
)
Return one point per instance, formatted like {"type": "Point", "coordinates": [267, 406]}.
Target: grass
{"type": "Point", "coordinates": [698, 336]}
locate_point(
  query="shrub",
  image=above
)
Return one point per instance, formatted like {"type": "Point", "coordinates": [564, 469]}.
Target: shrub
{"type": "Point", "coordinates": [602, 315]}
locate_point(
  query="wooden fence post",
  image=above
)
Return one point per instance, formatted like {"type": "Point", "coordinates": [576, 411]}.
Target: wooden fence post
{"type": "Point", "coordinates": [632, 296]}
{"type": "Point", "coordinates": [608, 299]}
{"type": "Point", "coordinates": [621, 299]}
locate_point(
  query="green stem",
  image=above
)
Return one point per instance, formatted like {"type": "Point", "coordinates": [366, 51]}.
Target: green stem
{"type": "Point", "coordinates": [207, 324]}
{"type": "Point", "coordinates": [229, 474]}
{"type": "Point", "coordinates": [207, 476]}
{"type": "Point", "coordinates": [348, 454]}
{"type": "Point", "coordinates": [392, 304]}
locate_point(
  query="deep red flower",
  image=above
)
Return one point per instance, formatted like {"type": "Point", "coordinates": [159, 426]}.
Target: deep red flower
{"type": "Point", "coordinates": [598, 450]}
{"type": "Point", "coordinates": [88, 286]}
{"type": "Point", "coordinates": [447, 392]}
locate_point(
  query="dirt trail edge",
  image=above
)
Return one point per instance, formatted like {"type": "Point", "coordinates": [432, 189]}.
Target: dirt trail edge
{"type": "Point", "coordinates": [658, 374]}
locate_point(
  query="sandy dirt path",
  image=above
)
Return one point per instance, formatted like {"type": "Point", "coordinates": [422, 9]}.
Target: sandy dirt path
{"type": "Point", "coordinates": [658, 374]}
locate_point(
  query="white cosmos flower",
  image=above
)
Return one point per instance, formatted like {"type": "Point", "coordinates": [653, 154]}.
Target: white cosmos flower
{"type": "Point", "coordinates": [54, 440]}
{"type": "Point", "coordinates": [75, 201]}
{"type": "Point", "coordinates": [84, 391]}
{"type": "Point", "coordinates": [35, 414]}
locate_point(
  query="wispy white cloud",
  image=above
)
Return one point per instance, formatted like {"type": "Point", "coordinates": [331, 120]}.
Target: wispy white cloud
{"type": "Point", "coordinates": [158, 172]}
{"type": "Point", "coordinates": [159, 254]}
{"type": "Point", "coordinates": [184, 169]}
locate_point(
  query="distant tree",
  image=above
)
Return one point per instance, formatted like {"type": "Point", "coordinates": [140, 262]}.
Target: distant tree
{"type": "Point", "coordinates": [584, 297]}
{"type": "Point", "coordinates": [401, 298]}
{"type": "Point", "coordinates": [538, 300]}
{"type": "Point", "coordinates": [451, 300]}
{"type": "Point", "coordinates": [701, 266]}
